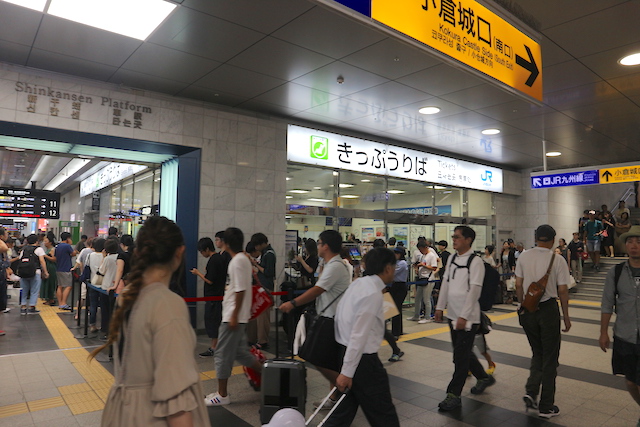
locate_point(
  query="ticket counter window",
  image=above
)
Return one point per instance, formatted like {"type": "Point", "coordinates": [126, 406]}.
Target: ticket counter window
{"type": "Point", "coordinates": [307, 186]}
{"type": "Point", "coordinates": [360, 191]}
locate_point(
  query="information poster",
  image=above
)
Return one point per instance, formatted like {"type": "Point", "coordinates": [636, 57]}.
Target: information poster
{"type": "Point", "coordinates": [381, 233]}
{"type": "Point", "coordinates": [481, 237]}
{"type": "Point", "coordinates": [291, 243]}
{"type": "Point", "coordinates": [401, 234]}
{"type": "Point", "coordinates": [368, 234]}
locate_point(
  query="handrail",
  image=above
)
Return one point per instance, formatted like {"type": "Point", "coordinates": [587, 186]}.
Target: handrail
{"type": "Point", "coordinates": [628, 192]}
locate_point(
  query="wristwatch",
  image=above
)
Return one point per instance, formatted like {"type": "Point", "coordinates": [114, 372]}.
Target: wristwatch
{"type": "Point", "coordinates": [293, 303]}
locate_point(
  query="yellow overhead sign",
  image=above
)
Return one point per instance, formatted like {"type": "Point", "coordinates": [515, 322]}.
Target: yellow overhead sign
{"type": "Point", "coordinates": [622, 174]}
{"type": "Point", "coordinates": [472, 34]}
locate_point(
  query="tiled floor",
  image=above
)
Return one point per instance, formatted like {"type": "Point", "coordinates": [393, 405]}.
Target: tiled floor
{"type": "Point", "coordinates": [46, 380]}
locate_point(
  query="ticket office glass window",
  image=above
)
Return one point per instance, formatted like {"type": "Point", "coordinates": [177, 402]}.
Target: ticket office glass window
{"type": "Point", "coordinates": [311, 193]}
{"type": "Point", "coordinates": [309, 198]}
{"type": "Point", "coordinates": [361, 191]}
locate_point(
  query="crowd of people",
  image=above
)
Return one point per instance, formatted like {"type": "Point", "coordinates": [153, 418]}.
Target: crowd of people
{"type": "Point", "coordinates": [149, 321]}
{"type": "Point", "coordinates": [43, 267]}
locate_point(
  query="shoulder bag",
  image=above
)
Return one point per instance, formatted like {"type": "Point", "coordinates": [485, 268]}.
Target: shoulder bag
{"type": "Point", "coordinates": [320, 347]}
{"type": "Point", "coordinates": [536, 289]}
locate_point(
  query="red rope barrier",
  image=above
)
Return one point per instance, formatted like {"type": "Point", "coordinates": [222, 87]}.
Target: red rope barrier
{"type": "Point", "coordinates": [220, 298]}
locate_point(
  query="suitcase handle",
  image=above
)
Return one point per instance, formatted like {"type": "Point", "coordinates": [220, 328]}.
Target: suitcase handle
{"type": "Point", "coordinates": [332, 409]}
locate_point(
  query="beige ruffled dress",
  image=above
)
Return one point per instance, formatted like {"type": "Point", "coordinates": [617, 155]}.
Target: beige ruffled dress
{"type": "Point", "coordinates": [157, 374]}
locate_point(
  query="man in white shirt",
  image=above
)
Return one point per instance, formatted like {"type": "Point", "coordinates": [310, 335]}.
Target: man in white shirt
{"type": "Point", "coordinates": [461, 288]}
{"type": "Point", "coordinates": [359, 327]}
{"type": "Point", "coordinates": [543, 326]}
{"type": "Point", "coordinates": [332, 283]}
{"type": "Point", "coordinates": [427, 263]}
{"type": "Point", "coordinates": [236, 311]}
{"type": "Point", "coordinates": [519, 250]}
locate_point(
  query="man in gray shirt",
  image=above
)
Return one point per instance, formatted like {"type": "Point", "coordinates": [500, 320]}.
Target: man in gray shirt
{"type": "Point", "coordinates": [623, 296]}
{"type": "Point", "coordinates": [332, 282]}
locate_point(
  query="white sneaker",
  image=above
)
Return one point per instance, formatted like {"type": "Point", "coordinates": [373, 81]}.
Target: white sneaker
{"type": "Point", "coordinates": [423, 321]}
{"type": "Point", "coordinates": [413, 319]}
{"type": "Point", "coordinates": [214, 399]}
{"type": "Point", "coordinates": [6, 310]}
{"type": "Point", "coordinates": [330, 403]}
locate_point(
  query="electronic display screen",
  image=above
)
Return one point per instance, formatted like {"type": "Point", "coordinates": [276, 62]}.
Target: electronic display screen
{"type": "Point", "coordinates": [23, 203]}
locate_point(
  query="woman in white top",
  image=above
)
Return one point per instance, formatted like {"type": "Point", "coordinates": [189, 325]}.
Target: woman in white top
{"type": "Point", "coordinates": [94, 261]}
{"type": "Point", "coordinates": [488, 256]}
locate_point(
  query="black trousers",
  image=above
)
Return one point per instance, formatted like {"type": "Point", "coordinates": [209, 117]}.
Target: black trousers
{"type": "Point", "coordinates": [3, 293]}
{"type": "Point", "coordinates": [543, 332]}
{"type": "Point", "coordinates": [371, 391]}
{"type": "Point", "coordinates": [398, 292]}
{"type": "Point", "coordinates": [464, 359]}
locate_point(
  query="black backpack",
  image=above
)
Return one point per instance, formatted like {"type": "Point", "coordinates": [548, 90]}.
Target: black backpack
{"type": "Point", "coordinates": [28, 263]}
{"type": "Point", "coordinates": [490, 283]}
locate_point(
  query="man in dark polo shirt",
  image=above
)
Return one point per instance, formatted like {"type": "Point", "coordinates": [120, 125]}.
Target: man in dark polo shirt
{"type": "Point", "coordinates": [214, 279]}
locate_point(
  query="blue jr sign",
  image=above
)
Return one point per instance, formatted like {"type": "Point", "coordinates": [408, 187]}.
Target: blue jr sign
{"type": "Point", "coordinates": [589, 177]}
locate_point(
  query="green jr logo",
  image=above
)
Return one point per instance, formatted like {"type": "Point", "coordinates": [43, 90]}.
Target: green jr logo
{"type": "Point", "coordinates": [319, 147]}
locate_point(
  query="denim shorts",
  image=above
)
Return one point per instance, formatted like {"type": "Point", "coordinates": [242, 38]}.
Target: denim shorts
{"type": "Point", "coordinates": [593, 245]}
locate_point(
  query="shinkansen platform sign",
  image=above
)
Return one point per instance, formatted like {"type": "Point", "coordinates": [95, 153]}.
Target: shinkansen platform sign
{"type": "Point", "coordinates": [468, 32]}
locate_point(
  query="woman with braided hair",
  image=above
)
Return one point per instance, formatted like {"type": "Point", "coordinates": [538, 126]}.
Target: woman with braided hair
{"type": "Point", "coordinates": [156, 378]}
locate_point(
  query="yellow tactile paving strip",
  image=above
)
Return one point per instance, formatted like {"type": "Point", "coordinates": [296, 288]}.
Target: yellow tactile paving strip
{"type": "Point", "coordinates": [52, 402]}
{"type": "Point", "coordinates": [16, 409]}
{"type": "Point", "coordinates": [59, 331]}
{"type": "Point", "coordinates": [80, 398]}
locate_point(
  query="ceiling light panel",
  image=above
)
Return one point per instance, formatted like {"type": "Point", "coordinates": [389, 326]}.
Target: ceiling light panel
{"type": "Point", "coordinates": [631, 60]}
{"type": "Point", "coordinates": [115, 153]}
{"type": "Point", "coordinates": [67, 172]}
{"type": "Point", "coordinates": [136, 19]}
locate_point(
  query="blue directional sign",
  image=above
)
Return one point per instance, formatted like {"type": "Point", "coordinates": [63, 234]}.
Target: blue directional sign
{"type": "Point", "coordinates": [565, 179]}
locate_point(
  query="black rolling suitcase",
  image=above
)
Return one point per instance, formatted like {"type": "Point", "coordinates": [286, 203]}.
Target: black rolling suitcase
{"type": "Point", "coordinates": [284, 385]}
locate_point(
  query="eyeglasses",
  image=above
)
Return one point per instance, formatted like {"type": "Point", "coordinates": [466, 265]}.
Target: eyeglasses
{"type": "Point", "coordinates": [457, 236]}
{"type": "Point", "coordinates": [319, 243]}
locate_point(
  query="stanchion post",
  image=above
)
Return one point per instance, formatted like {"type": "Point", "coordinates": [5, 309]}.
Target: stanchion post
{"type": "Point", "coordinates": [72, 293]}
{"type": "Point", "coordinates": [79, 301]}
{"type": "Point", "coordinates": [87, 305]}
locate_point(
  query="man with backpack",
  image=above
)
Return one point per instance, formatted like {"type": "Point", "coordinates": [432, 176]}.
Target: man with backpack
{"type": "Point", "coordinates": [31, 269]}
{"type": "Point", "coordinates": [621, 291]}
{"type": "Point", "coordinates": [461, 288]}
{"type": "Point", "coordinates": [543, 325]}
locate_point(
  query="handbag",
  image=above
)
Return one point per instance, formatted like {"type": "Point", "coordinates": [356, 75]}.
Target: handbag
{"type": "Point", "coordinates": [604, 233]}
{"type": "Point", "coordinates": [536, 289]}
{"type": "Point", "coordinates": [320, 347]}
{"type": "Point", "coordinates": [261, 299]}
{"type": "Point", "coordinates": [584, 255]}
{"type": "Point", "coordinates": [511, 283]}
{"type": "Point", "coordinates": [485, 325]}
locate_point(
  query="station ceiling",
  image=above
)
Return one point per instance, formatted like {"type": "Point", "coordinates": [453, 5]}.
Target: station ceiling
{"type": "Point", "coordinates": [283, 57]}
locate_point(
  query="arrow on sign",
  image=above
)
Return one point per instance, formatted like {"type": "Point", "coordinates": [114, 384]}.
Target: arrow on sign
{"type": "Point", "coordinates": [537, 182]}
{"type": "Point", "coordinates": [606, 175]}
{"type": "Point", "coordinates": [529, 65]}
